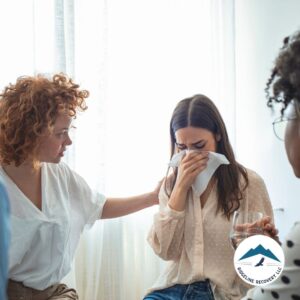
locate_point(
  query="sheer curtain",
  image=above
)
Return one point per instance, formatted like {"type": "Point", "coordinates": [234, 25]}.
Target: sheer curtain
{"type": "Point", "coordinates": [159, 52]}
{"type": "Point", "coordinates": [137, 59]}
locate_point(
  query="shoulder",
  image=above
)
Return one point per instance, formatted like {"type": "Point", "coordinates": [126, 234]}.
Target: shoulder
{"type": "Point", "coordinates": [256, 188]}
{"type": "Point", "coordinates": [55, 166]}
{"type": "Point", "coordinates": [60, 169]}
{"type": "Point", "coordinates": [166, 187]}
{"type": "Point", "coordinates": [255, 180]}
{"type": "Point", "coordinates": [257, 194]}
{"type": "Point", "coordinates": [63, 175]}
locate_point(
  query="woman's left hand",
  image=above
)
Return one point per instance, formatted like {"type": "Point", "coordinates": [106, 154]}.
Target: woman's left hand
{"type": "Point", "coordinates": [269, 229]}
{"type": "Point", "coordinates": [265, 225]}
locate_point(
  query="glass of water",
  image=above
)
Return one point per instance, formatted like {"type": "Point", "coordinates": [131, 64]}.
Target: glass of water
{"type": "Point", "coordinates": [245, 224]}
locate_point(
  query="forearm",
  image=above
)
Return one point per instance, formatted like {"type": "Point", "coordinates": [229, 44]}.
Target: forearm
{"type": "Point", "coordinates": [118, 207]}
{"type": "Point", "coordinates": [166, 234]}
{"type": "Point", "coordinates": [178, 198]}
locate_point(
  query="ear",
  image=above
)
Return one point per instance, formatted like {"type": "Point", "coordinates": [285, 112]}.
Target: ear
{"type": "Point", "coordinates": [218, 137]}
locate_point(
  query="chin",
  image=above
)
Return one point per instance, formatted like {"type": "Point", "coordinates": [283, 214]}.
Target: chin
{"type": "Point", "coordinates": [295, 164]}
{"type": "Point", "coordinates": [296, 169]}
{"type": "Point", "coordinates": [297, 173]}
{"type": "Point", "coordinates": [53, 161]}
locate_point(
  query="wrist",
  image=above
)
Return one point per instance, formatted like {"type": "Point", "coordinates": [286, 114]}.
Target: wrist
{"type": "Point", "coordinates": [178, 198]}
{"type": "Point", "coordinates": [151, 199]}
{"type": "Point", "coordinates": [180, 190]}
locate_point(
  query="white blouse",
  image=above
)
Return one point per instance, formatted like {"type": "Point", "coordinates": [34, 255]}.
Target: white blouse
{"type": "Point", "coordinates": [195, 242]}
{"type": "Point", "coordinates": [43, 242]}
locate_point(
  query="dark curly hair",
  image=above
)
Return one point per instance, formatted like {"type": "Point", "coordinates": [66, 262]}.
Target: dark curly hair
{"type": "Point", "coordinates": [285, 76]}
{"type": "Point", "coordinates": [28, 111]}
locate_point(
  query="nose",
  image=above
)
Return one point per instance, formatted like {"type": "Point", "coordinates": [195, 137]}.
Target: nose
{"type": "Point", "coordinates": [68, 141]}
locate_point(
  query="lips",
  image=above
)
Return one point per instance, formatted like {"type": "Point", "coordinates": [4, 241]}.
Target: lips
{"type": "Point", "coordinates": [62, 152]}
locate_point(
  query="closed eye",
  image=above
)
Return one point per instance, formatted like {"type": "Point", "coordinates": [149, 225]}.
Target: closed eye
{"type": "Point", "coordinates": [181, 146]}
{"type": "Point", "coordinates": [199, 145]}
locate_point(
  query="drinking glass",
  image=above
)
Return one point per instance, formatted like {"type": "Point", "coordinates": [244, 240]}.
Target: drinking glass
{"type": "Point", "coordinates": [245, 224]}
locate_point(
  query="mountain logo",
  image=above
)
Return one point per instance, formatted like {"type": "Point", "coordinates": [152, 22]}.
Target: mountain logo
{"type": "Point", "coordinates": [259, 250]}
{"type": "Point", "coordinates": [259, 260]}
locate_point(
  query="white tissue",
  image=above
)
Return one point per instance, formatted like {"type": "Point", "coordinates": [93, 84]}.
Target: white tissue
{"type": "Point", "coordinates": [202, 180]}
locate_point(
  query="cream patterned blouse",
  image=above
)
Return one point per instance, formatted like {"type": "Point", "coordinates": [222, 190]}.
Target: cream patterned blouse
{"type": "Point", "coordinates": [196, 243]}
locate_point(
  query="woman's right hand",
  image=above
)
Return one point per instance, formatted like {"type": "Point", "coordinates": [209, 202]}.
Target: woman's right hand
{"type": "Point", "coordinates": [190, 166]}
{"type": "Point", "coordinates": [192, 163]}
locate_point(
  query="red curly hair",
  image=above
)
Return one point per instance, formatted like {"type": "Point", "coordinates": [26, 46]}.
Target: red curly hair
{"type": "Point", "coordinates": [28, 110]}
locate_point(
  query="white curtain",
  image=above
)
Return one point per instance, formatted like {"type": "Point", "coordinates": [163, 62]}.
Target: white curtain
{"type": "Point", "coordinates": [137, 59]}
{"type": "Point", "coordinates": [258, 39]}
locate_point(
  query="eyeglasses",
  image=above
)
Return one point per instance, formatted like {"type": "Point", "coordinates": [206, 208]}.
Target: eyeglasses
{"type": "Point", "coordinates": [279, 126]}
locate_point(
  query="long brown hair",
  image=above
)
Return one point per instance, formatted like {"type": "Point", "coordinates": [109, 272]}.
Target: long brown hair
{"type": "Point", "coordinates": [199, 111]}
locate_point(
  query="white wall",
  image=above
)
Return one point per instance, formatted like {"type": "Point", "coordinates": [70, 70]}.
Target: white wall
{"type": "Point", "coordinates": [261, 26]}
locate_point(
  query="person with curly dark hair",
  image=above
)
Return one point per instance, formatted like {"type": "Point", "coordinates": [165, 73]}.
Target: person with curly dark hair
{"type": "Point", "coordinates": [284, 84]}
{"type": "Point", "coordinates": [50, 203]}
{"type": "Point", "coordinates": [191, 229]}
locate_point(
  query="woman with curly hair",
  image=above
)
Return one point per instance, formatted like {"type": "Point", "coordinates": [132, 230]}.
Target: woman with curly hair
{"type": "Point", "coordinates": [285, 85]}
{"type": "Point", "coordinates": [50, 203]}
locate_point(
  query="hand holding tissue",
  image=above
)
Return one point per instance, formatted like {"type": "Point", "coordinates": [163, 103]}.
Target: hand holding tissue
{"type": "Point", "coordinates": [202, 179]}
